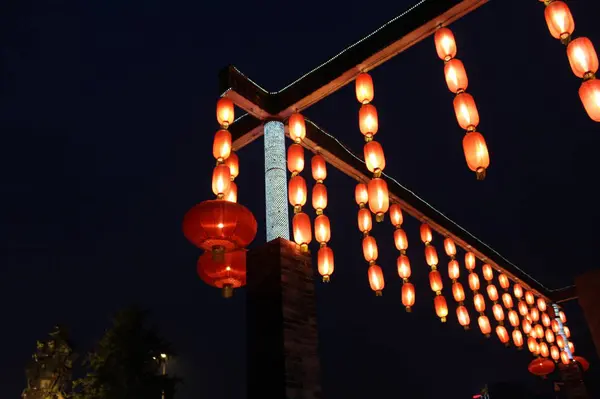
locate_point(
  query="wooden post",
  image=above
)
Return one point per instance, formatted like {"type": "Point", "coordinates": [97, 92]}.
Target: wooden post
{"type": "Point", "coordinates": [282, 341]}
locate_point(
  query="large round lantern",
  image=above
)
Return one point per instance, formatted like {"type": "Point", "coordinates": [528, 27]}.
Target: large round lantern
{"type": "Point", "coordinates": [585, 365]}
{"type": "Point", "coordinates": [541, 367]}
{"type": "Point", "coordinates": [219, 226]}
{"type": "Point", "coordinates": [226, 273]}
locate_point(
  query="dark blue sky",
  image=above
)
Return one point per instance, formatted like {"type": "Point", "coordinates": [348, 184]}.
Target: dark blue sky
{"type": "Point", "coordinates": [107, 115]}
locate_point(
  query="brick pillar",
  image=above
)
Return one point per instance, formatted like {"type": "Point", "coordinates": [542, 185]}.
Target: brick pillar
{"type": "Point", "coordinates": [283, 361]}
{"type": "Point", "coordinates": [588, 291]}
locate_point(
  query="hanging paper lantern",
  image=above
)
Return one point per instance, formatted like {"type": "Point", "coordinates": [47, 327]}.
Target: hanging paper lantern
{"type": "Point", "coordinates": [529, 298]}
{"type": "Point", "coordinates": [361, 194]}
{"type": "Point", "coordinates": [589, 93]}
{"type": "Point", "coordinates": [295, 159]}
{"type": "Point", "coordinates": [470, 260]}
{"type": "Point", "coordinates": [222, 145]}
{"type": "Point", "coordinates": [484, 325]}
{"type": "Point", "coordinates": [541, 367]}
{"type": "Point", "coordinates": [567, 331]}
{"type": "Point", "coordinates": [403, 264]}
{"type": "Point", "coordinates": [408, 296]}
{"type": "Point", "coordinates": [559, 20]}
{"type": "Point", "coordinates": [221, 180]}
{"type": "Point", "coordinates": [396, 215]}
{"type": "Point", "coordinates": [498, 312]}
{"type": "Point", "coordinates": [474, 281]}
{"type": "Point", "coordinates": [488, 273]}
{"type": "Point", "coordinates": [456, 76]}
{"type": "Point", "coordinates": [301, 228]}
{"type": "Point", "coordinates": [364, 88]}
{"type": "Point", "coordinates": [322, 229]}
{"type": "Point", "coordinates": [539, 331]}
{"type": "Point", "coordinates": [582, 57]}
{"type": "Point", "coordinates": [325, 263]}
{"type": "Point", "coordinates": [555, 352]}
{"type": "Point", "coordinates": [370, 251]}
{"type": "Point", "coordinates": [479, 303]}
{"type": "Point", "coordinates": [507, 300]}
{"type": "Point", "coordinates": [466, 111]}
{"type": "Point", "coordinates": [562, 316]}
{"type": "Point", "coordinates": [463, 317]}
{"type": "Point", "coordinates": [564, 358]}
{"type": "Point", "coordinates": [435, 281]}
{"type": "Point", "coordinates": [458, 292]}
{"type": "Point", "coordinates": [445, 45]}
{"type": "Point", "coordinates": [297, 192]}
{"type": "Point", "coordinates": [571, 347]}
{"type": "Point", "coordinates": [297, 127]}
{"type": "Point", "coordinates": [365, 223]}
{"type": "Point", "coordinates": [376, 279]}
{"type": "Point", "coordinates": [526, 325]}
{"type": "Point", "coordinates": [513, 318]}
{"type": "Point", "coordinates": [518, 291]}
{"type": "Point", "coordinates": [549, 336]}
{"type": "Point", "coordinates": [555, 326]}
{"type": "Point", "coordinates": [585, 365]}
{"type": "Point", "coordinates": [541, 304]}
{"type": "Point", "coordinates": [502, 334]}
{"type": "Point", "coordinates": [400, 240]}
{"type": "Point", "coordinates": [233, 163]}
{"type": "Point", "coordinates": [546, 320]}
{"type": "Point", "coordinates": [426, 235]}
{"type": "Point", "coordinates": [517, 337]}
{"type": "Point", "coordinates": [319, 198]}
{"type": "Point", "coordinates": [476, 153]}
{"type": "Point", "coordinates": [492, 292]}
{"type": "Point", "coordinates": [441, 307]}
{"type": "Point", "coordinates": [534, 314]}
{"type": "Point", "coordinates": [227, 273]}
{"type": "Point", "coordinates": [532, 345]}
{"type": "Point", "coordinates": [225, 113]}
{"type": "Point", "coordinates": [560, 341]}
{"type": "Point", "coordinates": [453, 269]}
{"type": "Point", "coordinates": [368, 121]}
{"type": "Point", "coordinates": [450, 249]}
{"type": "Point", "coordinates": [319, 168]}
{"type": "Point", "coordinates": [231, 194]}
{"type": "Point", "coordinates": [431, 256]}
{"type": "Point", "coordinates": [503, 280]}
{"type": "Point", "coordinates": [374, 157]}
{"type": "Point", "coordinates": [523, 309]}
{"type": "Point", "coordinates": [379, 200]}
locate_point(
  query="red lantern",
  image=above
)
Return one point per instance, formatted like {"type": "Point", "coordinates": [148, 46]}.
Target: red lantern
{"type": "Point", "coordinates": [498, 312]}
{"type": "Point", "coordinates": [517, 337]}
{"type": "Point", "coordinates": [403, 264]}
{"type": "Point", "coordinates": [526, 325]}
{"type": "Point", "coordinates": [502, 334]}
{"type": "Point", "coordinates": [364, 88]}
{"type": "Point", "coordinates": [507, 300]}
{"type": "Point", "coordinates": [582, 57]}
{"type": "Point", "coordinates": [513, 318]}
{"type": "Point", "coordinates": [532, 345]}
{"type": "Point", "coordinates": [374, 157]}
{"type": "Point", "coordinates": [488, 273]}
{"type": "Point", "coordinates": [559, 20]}
{"type": "Point", "coordinates": [470, 260]}
{"type": "Point", "coordinates": [503, 280]}
{"type": "Point", "coordinates": [555, 352]}
{"type": "Point", "coordinates": [225, 113]}
{"type": "Point", "coordinates": [408, 295]}
{"type": "Point", "coordinates": [396, 215]}
{"type": "Point", "coordinates": [297, 127]}
{"type": "Point", "coordinates": [539, 331]}
{"type": "Point", "coordinates": [518, 291]}
{"type": "Point", "coordinates": [529, 298]}
{"type": "Point", "coordinates": [541, 304]}
{"type": "Point", "coordinates": [233, 163]}
{"type": "Point", "coordinates": [555, 326]}
{"type": "Point", "coordinates": [534, 314]}
{"type": "Point", "coordinates": [523, 309]}
{"type": "Point", "coordinates": [301, 228]}
{"type": "Point", "coordinates": [550, 336]}
{"type": "Point", "coordinates": [325, 262]}
{"type": "Point", "coordinates": [221, 180]}
{"type": "Point", "coordinates": [222, 145]}
{"type": "Point", "coordinates": [231, 194]}
{"type": "Point", "coordinates": [450, 249]}
{"type": "Point", "coordinates": [219, 226]}
{"type": "Point", "coordinates": [492, 292]}
{"type": "Point", "coordinates": [562, 316]}
{"type": "Point", "coordinates": [456, 76]}
{"type": "Point", "coordinates": [571, 347]}
{"type": "Point", "coordinates": [466, 111]}
{"type": "Point", "coordinates": [479, 303]}
{"type": "Point", "coordinates": [458, 292]}
{"type": "Point", "coordinates": [431, 256]}
{"type": "Point", "coordinates": [319, 198]}
{"type": "Point", "coordinates": [585, 365]}
{"type": "Point", "coordinates": [226, 273]}
{"type": "Point", "coordinates": [476, 153]}
{"type": "Point", "coordinates": [368, 121]}
{"type": "Point", "coordinates": [365, 223]}
{"type": "Point", "coordinates": [453, 269]}
{"type": "Point", "coordinates": [541, 367]}
{"type": "Point", "coordinates": [370, 251]}
{"type": "Point", "coordinates": [564, 358]}
{"type": "Point", "coordinates": [295, 158]}
{"type": "Point", "coordinates": [445, 45]}
{"type": "Point", "coordinates": [361, 194]}
{"type": "Point", "coordinates": [546, 320]}
{"type": "Point", "coordinates": [441, 307]}
{"type": "Point", "coordinates": [376, 279]}
{"type": "Point", "coordinates": [426, 235]}
{"type": "Point", "coordinates": [463, 316]}
{"type": "Point", "coordinates": [435, 281]}
{"type": "Point", "coordinates": [560, 341]}
{"type": "Point", "coordinates": [567, 331]}
{"type": "Point", "coordinates": [474, 281]}
{"type": "Point", "coordinates": [297, 192]}
{"type": "Point", "coordinates": [319, 168]}
{"type": "Point", "coordinates": [322, 229]}
{"type": "Point", "coordinates": [400, 240]}
{"type": "Point", "coordinates": [379, 200]}
{"type": "Point", "coordinates": [484, 325]}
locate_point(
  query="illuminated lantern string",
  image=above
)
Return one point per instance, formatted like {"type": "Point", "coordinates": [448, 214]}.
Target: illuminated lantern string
{"type": "Point", "coordinates": [322, 224]}
{"type": "Point", "coordinates": [513, 316]}
{"type": "Point", "coordinates": [478, 299]}
{"type": "Point", "coordinates": [369, 244]}
{"type": "Point", "coordinates": [298, 195]}
{"type": "Point", "coordinates": [465, 109]}
{"type": "Point", "coordinates": [458, 291]}
{"type": "Point", "coordinates": [403, 263]}
{"type": "Point", "coordinates": [227, 167]}
{"type": "Point", "coordinates": [435, 278]}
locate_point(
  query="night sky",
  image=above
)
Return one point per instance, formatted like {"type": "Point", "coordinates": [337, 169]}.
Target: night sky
{"type": "Point", "coordinates": [107, 112]}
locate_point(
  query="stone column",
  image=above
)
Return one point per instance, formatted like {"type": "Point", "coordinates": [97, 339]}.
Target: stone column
{"type": "Point", "coordinates": [588, 291]}
{"type": "Point", "coordinates": [276, 181]}
{"type": "Point", "coordinates": [282, 341]}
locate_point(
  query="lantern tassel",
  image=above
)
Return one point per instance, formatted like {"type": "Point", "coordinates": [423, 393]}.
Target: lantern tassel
{"type": "Point", "coordinates": [227, 291]}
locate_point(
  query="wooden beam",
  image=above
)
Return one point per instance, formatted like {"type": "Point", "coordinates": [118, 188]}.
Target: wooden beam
{"type": "Point", "coordinates": [244, 93]}
{"type": "Point", "coordinates": [245, 130]}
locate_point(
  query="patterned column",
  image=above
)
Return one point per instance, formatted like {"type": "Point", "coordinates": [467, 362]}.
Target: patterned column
{"type": "Point", "coordinates": [276, 182]}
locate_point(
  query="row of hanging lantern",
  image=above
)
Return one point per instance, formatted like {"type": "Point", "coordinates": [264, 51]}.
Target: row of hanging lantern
{"type": "Point", "coordinates": [222, 227]}
{"type": "Point", "coordinates": [458, 292]}
{"type": "Point", "coordinates": [402, 262]}
{"type": "Point", "coordinates": [474, 145]}
{"type": "Point", "coordinates": [435, 277]}
{"type": "Point", "coordinates": [580, 52]}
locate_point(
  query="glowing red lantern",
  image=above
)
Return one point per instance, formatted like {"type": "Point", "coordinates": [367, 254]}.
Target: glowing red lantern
{"type": "Point", "coordinates": [562, 316]}
{"type": "Point", "coordinates": [526, 325]}
{"type": "Point", "coordinates": [379, 200]}
{"type": "Point", "coordinates": [541, 304]}
{"type": "Point", "coordinates": [507, 300]}
{"type": "Point", "coordinates": [479, 303]}
{"type": "Point", "coordinates": [297, 127]}
{"type": "Point", "coordinates": [365, 223]}
{"type": "Point", "coordinates": [368, 121]}
{"type": "Point", "coordinates": [426, 235]}
{"type": "Point", "coordinates": [555, 352]}
{"type": "Point", "coordinates": [408, 295]}
{"type": "Point", "coordinates": [523, 309]}
{"type": "Point", "coordinates": [456, 76]}
{"type": "Point", "coordinates": [466, 111]}
{"type": "Point", "coordinates": [504, 281]}
{"type": "Point", "coordinates": [295, 159]}
{"type": "Point", "coordinates": [559, 20]}
{"type": "Point", "coordinates": [396, 215]}
{"type": "Point", "coordinates": [361, 194]}
{"type": "Point", "coordinates": [221, 180]}
{"type": "Point", "coordinates": [458, 292]}
{"type": "Point", "coordinates": [403, 264]}
{"type": "Point", "coordinates": [435, 281]}
{"type": "Point", "coordinates": [488, 273]}
{"type": "Point", "coordinates": [541, 367]}
{"type": "Point", "coordinates": [233, 163]}
{"type": "Point", "coordinates": [364, 88]}
{"type": "Point", "coordinates": [376, 279]}
{"type": "Point", "coordinates": [484, 325]}
{"type": "Point", "coordinates": [301, 228]}
{"type": "Point", "coordinates": [502, 334]}
{"type": "Point", "coordinates": [571, 347]}
{"type": "Point", "coordinates": [319, 168]}
{"type": "Point", "coordinates": [370, 251]}
{"type": "Point", "coordinates": [400, 240]}
{"type": "Point", "coordinates": [470, 260]}
{"type": "Point", "coordinates": [476, 153]}
{"type": "Point", "coordinates": [225, 113]}
{"type": "Point", "coordinates": [474, 281]}
{"type": "Point", "coordinates": [513, 318]}
{"type": "Point", "coordinates": [222, 145]}
{"type": "Point", "coordinates": [453, 269]}
{"type": "Point", "coordinates": [532, 345]}
{"type": "Point", "coordinates": [567, 331]}
{"type": "Point", "coordinates": [564, 358]}
{"type": "Point", "coordinates": [325, 263]}
{"type": "Point", "coordinates": [319, 198]}
{"type": "Point", "coordinates": [297, 192]}
{"type": "Point", "coordinates": [450, 249]}
{"type": "Point", "coordinates": [544, 351]}
{"type": "Point", "coordinates": [374, 157]}
{"type": "Point", "coordinates": [322, 229]}
{"type": "Point", "coordinates": [445, 45]}
{"type": "Point", "coordinates": [560, 341]}
{"type": "Point", "coordinates": [555, 326]}
{"type": "Point", "coordinates": [492, 292]}
{"type": "Point", "coordinates": [431, 256]}
{"type": "Point", "coordinates": [463, 317]}
{"type": "Point", "coordinates": [534, 314]}
{"type": "Point", "coordinates": [585, 365]}
{"type": "Point", "coordinates": [517, 337]}
{"type": "Point", "coordinates": [518, 291]}
{"type": "Point", "coordinates": [546, 320]}
{"type": "Point", "coordinates": [550, 336]}
{"type": "Point", "coordinates": [231, 194]}
{"type": "Point", "coordinates": [498, 312]}
{"type": "Point", "coordinates": [539, 331]}
{"type": "Point", "coordinates": [226, 273]}
{"type": "Point", "coordinates": [582, 57]}
{"type": "Point", "coordinates": [441, 307]}
{"type": "Point", "coordinates": [529, 298]}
